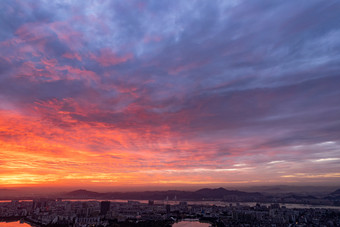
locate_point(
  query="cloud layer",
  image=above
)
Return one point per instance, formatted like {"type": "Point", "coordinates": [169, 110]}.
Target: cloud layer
{"type": "Point", "coordinates": [166, 92]}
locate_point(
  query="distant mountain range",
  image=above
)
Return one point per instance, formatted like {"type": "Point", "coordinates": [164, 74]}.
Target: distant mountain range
{"type": "Point", "coordinates": [202, 194]}
{"type": "Point", "coordinates": [337, 192]}
{"type": "Point", "coordinates": [207, 194]}
{"type": "Point", "coordinates": [335, 197]}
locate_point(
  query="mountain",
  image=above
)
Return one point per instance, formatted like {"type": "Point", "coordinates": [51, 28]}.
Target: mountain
{"type": "Point", "coordinates": [299, 197]}
{"type": "Point", "coordinates": [83, 194]}
{"type": "Point", "coordinates": [334, 197]}
{"type": "Point", "coordinates": [336, 192]}
{"type": "Point", "coordinates": [7, 193]}
{"type": "Point", "coordinates": [202, 194]}
{"type": "Point", "coordinates": [221, 193]}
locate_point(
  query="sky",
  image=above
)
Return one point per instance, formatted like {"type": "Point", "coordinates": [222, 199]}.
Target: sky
{"type": "Point", "coordinates": [169, 93]}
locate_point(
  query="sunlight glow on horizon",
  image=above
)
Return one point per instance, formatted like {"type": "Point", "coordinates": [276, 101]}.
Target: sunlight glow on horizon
{"type": "Point", "coordinates": [169, 93]}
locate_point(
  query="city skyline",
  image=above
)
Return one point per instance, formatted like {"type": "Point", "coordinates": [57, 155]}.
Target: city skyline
{"type": "Point", "coordinates": [169, 94]}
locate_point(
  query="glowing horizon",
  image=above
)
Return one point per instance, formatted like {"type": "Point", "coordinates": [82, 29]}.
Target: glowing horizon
{"type": "Point", "coordinates": [148, 93]}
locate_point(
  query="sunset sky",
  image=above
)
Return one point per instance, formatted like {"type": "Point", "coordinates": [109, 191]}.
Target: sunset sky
{"type": "Point", "coordinates": [169, 93]}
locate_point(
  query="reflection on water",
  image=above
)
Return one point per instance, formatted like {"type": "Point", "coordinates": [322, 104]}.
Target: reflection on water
{"type": "Point", "coordinates": [21, 200]}
{"type": "Point", "coordinates": [179, 224]}
{"type": "Point", "coordinates": [191, 224]}
{"type": "Point", "coordinates": [14, 224]}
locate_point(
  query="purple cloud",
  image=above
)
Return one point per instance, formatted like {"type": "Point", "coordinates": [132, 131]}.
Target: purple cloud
{"type": "Point", "coordinates": [234, 83]}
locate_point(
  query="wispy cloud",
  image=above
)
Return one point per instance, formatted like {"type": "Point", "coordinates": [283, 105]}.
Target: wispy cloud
{"type": "Point", "coordinates": [126, 92]}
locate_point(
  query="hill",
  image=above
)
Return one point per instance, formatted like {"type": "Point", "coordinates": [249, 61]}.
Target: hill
{"type": "Point", "coordinates": [336, 192]}
{"type": "Point", "coordinates": [202, 194]}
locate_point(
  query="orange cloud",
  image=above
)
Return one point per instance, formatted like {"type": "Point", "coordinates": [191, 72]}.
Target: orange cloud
{"type": "Point", "coordinates": [61, 150]}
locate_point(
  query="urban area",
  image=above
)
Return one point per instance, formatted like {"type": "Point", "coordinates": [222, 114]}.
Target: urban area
{"type": "Point", "coordinates": [56, 212]}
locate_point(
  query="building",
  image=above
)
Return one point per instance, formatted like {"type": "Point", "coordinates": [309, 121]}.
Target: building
{"type": "Point", "coordinates": [104, 207]}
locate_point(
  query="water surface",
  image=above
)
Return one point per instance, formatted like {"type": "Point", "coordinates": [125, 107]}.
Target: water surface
{"type": "Point", "coordinates": [14, 224]}
{"type": "Point", "coordinates": [190, 224]}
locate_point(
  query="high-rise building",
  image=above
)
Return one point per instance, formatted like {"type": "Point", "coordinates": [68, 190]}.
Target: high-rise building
{"type": "Point", "coordinates": [151, 202]}
{"type": "Point", "coordinates": [168, 209]}
{"type": "Point", "coordinates": [104, 207]}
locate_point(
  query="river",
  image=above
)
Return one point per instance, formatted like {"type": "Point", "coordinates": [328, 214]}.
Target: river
{"type": "Point", "coordinates": [178, 224]}
{"type": "Point", "coordinates": [190, 224]}
{"type": "Point", "coordinates": [14, 224]}
{"type": "Point", "coordinates": [207, 203]}
{"type": "Point", "coordinates": [219, 203]}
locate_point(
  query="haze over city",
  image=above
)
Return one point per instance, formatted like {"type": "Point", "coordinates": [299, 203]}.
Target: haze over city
{"type": "Point", "coordinates": [154, 94]}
